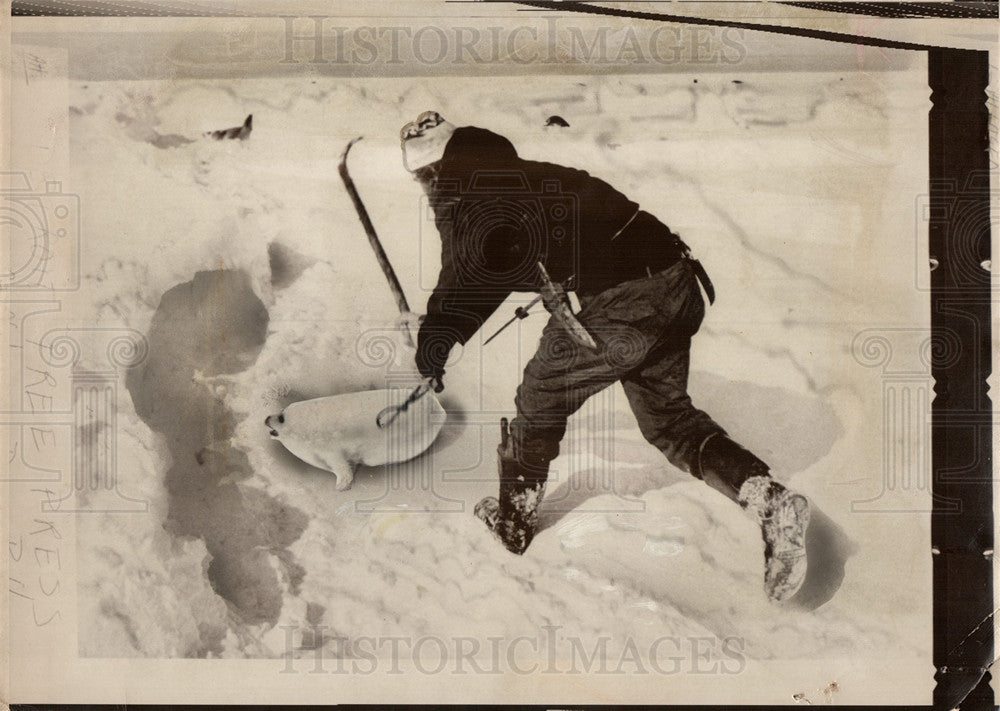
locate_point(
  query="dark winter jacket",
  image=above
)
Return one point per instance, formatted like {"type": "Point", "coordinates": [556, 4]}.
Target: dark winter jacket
{"type": "Point", "coordinates": [499, 215]}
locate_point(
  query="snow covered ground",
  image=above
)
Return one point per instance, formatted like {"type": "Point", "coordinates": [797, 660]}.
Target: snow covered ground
{"type": "Point", "coordinates": [246, 267]}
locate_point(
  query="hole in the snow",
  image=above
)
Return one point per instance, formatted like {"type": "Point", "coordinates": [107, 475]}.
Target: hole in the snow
{"type": "Point", "coordinates": [286, 264]}
{"type": "Point", "coordinates": [211, 326]}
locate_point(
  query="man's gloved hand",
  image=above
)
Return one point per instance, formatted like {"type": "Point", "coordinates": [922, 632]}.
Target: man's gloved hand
{"type": "Point", "coordinates": [434, 344]}
{"type": "Point", "coordinates": [409, 323]}
{"type": "Point", "coordinates": [428, 363]}
{"type": "Point", "coordinates": [432, 375]}
{"type": "Point", "coordinates": [436, 384]}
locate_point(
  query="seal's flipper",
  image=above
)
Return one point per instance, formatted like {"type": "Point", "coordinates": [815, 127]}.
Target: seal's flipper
{"type": "Point", "coordinates": [340, 467]}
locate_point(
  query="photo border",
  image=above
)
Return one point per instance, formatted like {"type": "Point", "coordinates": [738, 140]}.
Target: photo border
{"type": "Point", "coordinates": [962, 521]}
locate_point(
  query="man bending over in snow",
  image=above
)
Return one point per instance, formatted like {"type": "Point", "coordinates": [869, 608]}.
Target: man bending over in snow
{"type": "Point", "coordinates": [506, 223]}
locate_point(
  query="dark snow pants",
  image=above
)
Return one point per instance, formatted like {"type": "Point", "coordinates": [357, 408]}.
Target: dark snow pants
{"type": "Point", "coordinates": [644, 328]}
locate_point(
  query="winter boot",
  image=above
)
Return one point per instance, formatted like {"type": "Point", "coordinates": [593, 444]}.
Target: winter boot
{"type": "Point", "coordinates": [783, 515]}
{"type": "Point", "coordinates": [513, 517]}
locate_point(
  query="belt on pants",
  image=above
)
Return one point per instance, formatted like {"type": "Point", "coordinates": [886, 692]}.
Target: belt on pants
{"type": "Point", "coordinates": [703, 279]}
{"type": "Point", "coordinates": [683, 253]}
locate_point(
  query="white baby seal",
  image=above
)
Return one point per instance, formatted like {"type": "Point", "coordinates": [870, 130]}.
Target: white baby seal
{"type": "Point", "coordinates": [339, 432]}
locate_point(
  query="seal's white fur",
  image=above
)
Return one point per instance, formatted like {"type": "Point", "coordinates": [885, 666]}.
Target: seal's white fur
{"type": "Point", "coordinates": [339, 432]}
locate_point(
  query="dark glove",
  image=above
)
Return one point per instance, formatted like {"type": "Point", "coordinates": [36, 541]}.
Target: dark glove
{"type": "Point", "coordinates": [433, 347]}
{"type": "Point", "coordinates": [430, 372]}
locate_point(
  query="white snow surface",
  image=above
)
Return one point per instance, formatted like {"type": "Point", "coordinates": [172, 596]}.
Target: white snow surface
{"type": "Point", "coordinates": [787, 186]}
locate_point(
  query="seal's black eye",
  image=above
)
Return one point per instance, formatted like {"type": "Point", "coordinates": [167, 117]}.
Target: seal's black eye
{"type": "Point", "coordinates": [281, 418]}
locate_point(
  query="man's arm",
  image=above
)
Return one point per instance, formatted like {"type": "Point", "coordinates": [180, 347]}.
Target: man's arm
{"type": "Point", "coordinates": [457, 308]}
{"type": "Point", "coordinates": [453, 316]}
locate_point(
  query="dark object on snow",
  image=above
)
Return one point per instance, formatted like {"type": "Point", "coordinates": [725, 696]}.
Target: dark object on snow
{"type": "Point", "coordinates": [240, 132]}
{"type": "Point", "coordinates": [557, 121]}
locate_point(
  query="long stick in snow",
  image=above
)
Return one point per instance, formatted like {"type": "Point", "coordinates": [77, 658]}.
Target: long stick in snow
{"type": "Point", "coordinates": [366, 221]}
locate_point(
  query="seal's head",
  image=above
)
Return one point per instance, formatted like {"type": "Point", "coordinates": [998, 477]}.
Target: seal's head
{"type": "Point", "coordinates": [423, 141]}
{"type": "Point", "coordinates": [274, 423]}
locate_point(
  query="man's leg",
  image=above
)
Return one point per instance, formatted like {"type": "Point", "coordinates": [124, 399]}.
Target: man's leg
{"type": "Point", "coordinates": [556, 382]}
{"type": "Point", "coordinates": [689, 438]}
{"type": "Point", "coordinates": [692, 441]}
{"type": "Point", "coordinates": [657, 393]}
